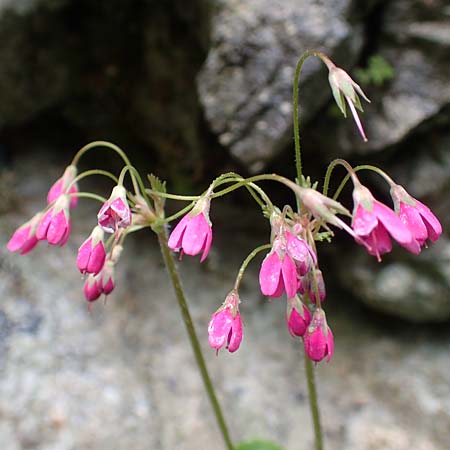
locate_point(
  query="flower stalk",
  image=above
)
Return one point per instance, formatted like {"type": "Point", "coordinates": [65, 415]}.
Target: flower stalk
{"type": "Point", "coordinates": [195, 344]}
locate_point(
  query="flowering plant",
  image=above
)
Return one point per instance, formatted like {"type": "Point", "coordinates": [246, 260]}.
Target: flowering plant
{"type": "Point", "coordinates": [291, 265]}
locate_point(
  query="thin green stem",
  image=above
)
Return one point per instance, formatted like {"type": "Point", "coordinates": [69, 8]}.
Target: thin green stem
{"type": "Point", "coordinates": [110, 146]}
{"type": "Point", "coordinates": [313, 403]}
{"type": "Point", "coordinates": [298, 156]}
{"type": "Point", "coordinates": [89, 173]}
{"type": "Point", "coordinates": [377, 170]}
{"type": "Point", "coordinates": [178, 214]}
{"type": "Point", "coordinates": [195, 344]}
{"type": "Point", "coordinates": [89, 195]}
{"type": "Point", "coordinates": [247, 262]}
{"type": "Point", "coordinates": [95, 144]}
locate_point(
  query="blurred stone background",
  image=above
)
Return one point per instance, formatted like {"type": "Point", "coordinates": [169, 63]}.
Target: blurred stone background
{"type": "Point", "coordinates": [190, 90]}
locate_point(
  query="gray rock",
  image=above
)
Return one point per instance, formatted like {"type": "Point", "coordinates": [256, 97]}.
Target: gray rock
{"type": "Point", "coordinates": [415, 40]}
{"type": "Point", "coordinates": [245, 85]}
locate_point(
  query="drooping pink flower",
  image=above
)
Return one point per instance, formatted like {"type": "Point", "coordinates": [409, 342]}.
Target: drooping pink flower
{"type": "Point", "coordinates": [225, 326]}
{"type": "Point", "coordinates": [92, 288]}
{"type": "Point", "coordinates": [91, 254]}
{"type": "Point", "coordinates": [318, 339]}
{"type": "Point", "coordinates": [102, 283]}
{"type": "Point", "coordinates": [107, 277]}
{"type": "Point", "coordinates": [373, 222]}
{"type": "Point", "coordinates": [55, 225]}
{"type": "Point", "coordinates": [193, 233]}
{"type": "Point", "coordinates": [298, 316]}
{"type": "Point", "coordinates": [24, 238]}
{"type": "Point", "coordinates": [61, 185]}
{"type": "Point", "coordinates": [422, 223]}
{"type": "Point", "coordinates": [278, 272]}
{"type": "Point", "coordinates": [115, 212]}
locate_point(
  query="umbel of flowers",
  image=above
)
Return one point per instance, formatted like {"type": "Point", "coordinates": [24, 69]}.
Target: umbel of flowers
{"type": "Point", "coordinates": [291, 264]}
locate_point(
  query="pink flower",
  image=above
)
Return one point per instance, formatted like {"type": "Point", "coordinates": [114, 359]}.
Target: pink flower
{"type": "Point", "coordinates": [422, 223]}
{"type": "Point", "coordinates": [193, 233]}
{"type": "Point", "coordinates": [61, 184]}
{"type": "Point", "coordinates": [24, 238]}
{"type": "Point", "coordinates": [91, 255]}
{"type": "Point", "coordinates": [102, 283]}
{"type": "Point", "coordinates": [92, 288]}
{"type": "Point", "coordinates": [225, 326]}
{"type": "Point", "coordinates": [318, 339]}
{"type": "Point", "coordinates": [115, 212]}
{"type": "Point", "coordinates": [55, 225]}
{"type": "Point", "coordinates": [372, 221]}
{"type": "Point", "coordinates": [278, 272]}
{"type": "Point", "coordinates": [298, 317]}
{"type": "Point", "coordinates": [301, 253]}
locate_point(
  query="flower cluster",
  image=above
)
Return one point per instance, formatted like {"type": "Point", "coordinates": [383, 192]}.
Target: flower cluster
{"type": "Point", "coordinates": [291, 266]}
{"type": "Point", "coordinates": [53, 225]}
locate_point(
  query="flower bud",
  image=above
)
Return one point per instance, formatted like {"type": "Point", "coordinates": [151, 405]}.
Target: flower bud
{"type": "Point", "coordinates": [91, 254]}
{"type": "Point", "coordinates": [318, 339]}
{"type": "Point", "coordinates": [225, 326]}
{"type": "Point", "coordinates": [298, 316]}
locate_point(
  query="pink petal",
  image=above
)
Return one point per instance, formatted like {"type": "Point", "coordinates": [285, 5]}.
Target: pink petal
{"type": "Point", "coordinates": [432, 223]}
{"type": "Point", "coordinates": [379, 242]}
{"type": "Point", "coordinates": [176, 237]}
{"type": "Point", "coordinates": [219, 327]}
{"type": "Point", "coordinates": [96, 259]}
{"type": "Point", "coordinates": [194, 238]}
{"type": "Point", "coordinates": [84, 254]}
{"type": "Point", "coordinates": [315, 344]}
{"type": "Point", "coordinates": [269, 275]}
{"type": "Point", "coordinates": [235, 335]}
{"type": "Point", "coordinates": [207, 245]}
{"type": "Point", "coordinates": [41, 232]}
{"type": "Point", "coordinates": [55, 191]}
{"type": "Point", "coordinates": [395, 227]}
{"type": "Point", "coordinates": [296, 323]}
{"type": "Point", "coordinates": [18, 239]}
{"type": "Point", "coordinates": [411, 217]}
{"type": "Point", "coordinates": [289, 272]}
{"type": "Point", "coordinates": [363, 221]}
{"type": "Point", "coordinates": [57, 228]}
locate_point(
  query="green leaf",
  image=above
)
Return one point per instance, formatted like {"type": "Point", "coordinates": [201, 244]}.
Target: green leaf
{"type": "Point", "coordinates": [258, 445]}
{"type": "Point", "coordinates": [156, 183]}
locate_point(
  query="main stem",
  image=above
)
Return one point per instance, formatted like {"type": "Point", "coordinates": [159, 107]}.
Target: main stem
{"type": "Point", "coordinates": [179, 292]}
{"type": "Point", "coordinates": [298, 156]}
{"type": "Point", "coordinates": [314, 405]}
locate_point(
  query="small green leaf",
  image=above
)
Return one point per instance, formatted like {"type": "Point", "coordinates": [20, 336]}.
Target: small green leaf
{"type": "Point", "coordinates": [156, 183]}
{"type": "Point", "coordinates": [258, 445]}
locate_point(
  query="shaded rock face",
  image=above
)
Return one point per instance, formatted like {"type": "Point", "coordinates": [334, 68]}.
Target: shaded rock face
{"type": "Point", "coordinates": [414, 37]}
{"type": "Point", "coordinates": [245, 85]}
{"type": "Point", "coordinates": [121, 70]}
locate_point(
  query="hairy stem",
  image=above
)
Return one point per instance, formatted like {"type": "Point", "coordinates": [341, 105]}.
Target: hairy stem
{"type": "Point", "coordinates": [195, 344]}
{"type": "Point", "coordinates": [313, 404]}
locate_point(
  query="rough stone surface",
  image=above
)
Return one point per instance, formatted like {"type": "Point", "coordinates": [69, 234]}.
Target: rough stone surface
{"type": "Point", "coordinates": [414, 38]}
{"type": "Point", "coordinates": [123, 375]}
{"type": "Point", "coordinates": [245, 84]}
